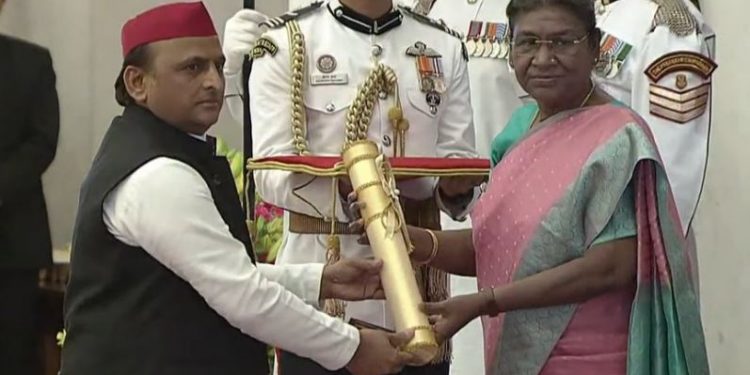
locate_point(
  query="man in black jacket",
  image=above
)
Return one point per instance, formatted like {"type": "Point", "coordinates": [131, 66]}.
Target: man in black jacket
{"type": "Point", "coordinates": [29, 124]}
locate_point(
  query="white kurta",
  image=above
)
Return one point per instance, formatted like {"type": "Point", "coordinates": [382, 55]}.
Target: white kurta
{"type": "Point", "coordinates": [166, 208]}
{"type": "Point", "coordinates": [683, 145]}
{"type": "Point", "coordinates": [446, 131]}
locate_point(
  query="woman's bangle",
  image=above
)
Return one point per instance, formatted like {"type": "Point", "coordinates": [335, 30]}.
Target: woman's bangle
{"type": "Point", "coordinates": [433, 252]}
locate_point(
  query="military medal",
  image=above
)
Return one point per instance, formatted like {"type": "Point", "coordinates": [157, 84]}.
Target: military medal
{"type": "Point", "coordinates": [489, 38]}
{"type": "Point", "coordinates": [603, 65]}
{"type": "Point", "coordinates": [425, 84]}
{"type": "Point", "coordinates": [614, 68]}
{"type": "Point", "coordinates": [479, 51]}
{"type": "Point", "coordinates": [429, 67]}
{"type": "Point", "coordinates": [495, 41]}
{"type": "Point", "coordinates": [475, 29]}
{"type": "Point", "coordinates": [489, 47]}
{"type": "Point", "coordinates": [501, 36]}
{"type": "Point", "coordinates": [433, 100]}
{"type": "Point", "coordinates": [504, 49]}
{"type": "Point", "coordinates": [612, 55]}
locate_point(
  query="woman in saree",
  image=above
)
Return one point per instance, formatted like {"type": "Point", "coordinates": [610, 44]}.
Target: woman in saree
{"type": "Point", "coordinates": [576, 242]}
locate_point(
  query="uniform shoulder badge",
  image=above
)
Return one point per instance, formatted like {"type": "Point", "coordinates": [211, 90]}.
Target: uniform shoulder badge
{"type": "Point", "coordinates": [276, 22]}
{"type": "Point", "coordinates": [263, 46]}
{"type": "Point", "coordinates": [680, 86]}
{"type": "Point", "coordinates": [438, 24]}
{"type": "Point", "coordinates": [675, 15]}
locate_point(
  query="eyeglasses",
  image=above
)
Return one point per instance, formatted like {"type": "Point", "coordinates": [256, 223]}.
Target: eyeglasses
{"type": "Point", "coordinates": [559, 46]}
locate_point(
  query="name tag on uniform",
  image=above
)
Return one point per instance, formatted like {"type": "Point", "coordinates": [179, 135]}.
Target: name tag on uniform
{"type": "Point", "coordinates": [329, 79]}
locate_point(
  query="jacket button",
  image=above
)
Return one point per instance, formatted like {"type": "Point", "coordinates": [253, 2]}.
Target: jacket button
{"type": "Point", "coordinates": [377, 50]}
{"type": "Point", "coordinates": [386, 141]}
{"type": "Point", "coordinates": [330, 107]}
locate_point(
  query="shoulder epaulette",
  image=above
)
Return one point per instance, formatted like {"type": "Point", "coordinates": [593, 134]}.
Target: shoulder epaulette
{"type": "Point", "coordinates": [438, 24]}
{"type": "Point", "coordinates": [675, 15]}
{"type": "Point", "coordinates": [423, 7]}
{"type": "Point", "coordinates": [281, 20]}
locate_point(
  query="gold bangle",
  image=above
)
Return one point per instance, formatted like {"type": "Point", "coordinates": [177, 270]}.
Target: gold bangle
{"type": "Point", "coordinates": [434, 251]}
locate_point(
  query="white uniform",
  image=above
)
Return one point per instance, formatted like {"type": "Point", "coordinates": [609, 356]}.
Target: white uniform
{"type": "Point", "coordinates": [657, 57]}
{"type": "Point", "coordinates": [341, 51]}
{"type": "Point", "coordinates": [296, 4]}
{"type": "Point", "coordinates": [495, 94]}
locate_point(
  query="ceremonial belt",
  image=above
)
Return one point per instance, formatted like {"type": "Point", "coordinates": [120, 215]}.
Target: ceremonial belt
{"type": "Point", "coordinates": [304, 224]}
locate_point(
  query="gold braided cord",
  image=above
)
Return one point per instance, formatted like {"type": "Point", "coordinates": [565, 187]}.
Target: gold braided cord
{"type": "Point", "coordinates": [381, 79]}
{"type": "Point", "coordinates": [297, 57]}
{"type": "Point", "coordinates": [676, 15]}
{"type": "Point", "coordinates": [357, 159]}
{"type": "Point", "coordinates": [366, 185]}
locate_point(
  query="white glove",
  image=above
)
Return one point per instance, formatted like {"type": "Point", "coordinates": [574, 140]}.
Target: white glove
{"type": "Point", "coordinates": [240, 34]}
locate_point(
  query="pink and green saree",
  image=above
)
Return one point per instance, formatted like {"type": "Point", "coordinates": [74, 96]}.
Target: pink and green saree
{"type": "Point", "coordinates": [577, 177]}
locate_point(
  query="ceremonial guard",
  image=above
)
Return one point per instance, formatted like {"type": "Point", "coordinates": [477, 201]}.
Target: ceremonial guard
{"type": "Point", "coordinates": [312, 72]}
{"type": "Point", "coordinates": [657, 56]}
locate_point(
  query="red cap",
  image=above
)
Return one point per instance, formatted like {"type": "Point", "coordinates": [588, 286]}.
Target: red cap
{"type": "Point", "coordinates": [170, 21]}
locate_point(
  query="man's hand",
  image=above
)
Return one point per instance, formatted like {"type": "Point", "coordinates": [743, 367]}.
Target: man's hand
{"type": "Point", "coordinates": [352, 280]}
{"type": "Point", "coordinates": [240, 34]}
{"type": "Point", "coordinates": [378, 353]}
{"type": "Point", "coordinates": [419, 238]}
{"type": "Point", "coordinates": [460, 185]}
{"type": "Point", "coordinates": [345, 187]}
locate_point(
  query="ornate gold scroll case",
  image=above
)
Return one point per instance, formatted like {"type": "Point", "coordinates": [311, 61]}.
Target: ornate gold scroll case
{"type": "Point", "coordinates": [373, 180]}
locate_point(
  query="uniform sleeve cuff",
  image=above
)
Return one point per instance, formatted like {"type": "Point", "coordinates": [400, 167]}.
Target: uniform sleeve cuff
{"type": "Point", "coordinates": [313, 284]}
{"type": "Point", "coordinates": [457, 208]}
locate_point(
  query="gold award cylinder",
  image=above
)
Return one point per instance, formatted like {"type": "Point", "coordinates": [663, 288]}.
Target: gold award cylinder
{"type": "Point", "coordinates": [384, 226]}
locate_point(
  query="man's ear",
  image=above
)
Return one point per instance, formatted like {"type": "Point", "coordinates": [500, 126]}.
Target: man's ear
{"type": "Point", "coordinates": [136, 83]}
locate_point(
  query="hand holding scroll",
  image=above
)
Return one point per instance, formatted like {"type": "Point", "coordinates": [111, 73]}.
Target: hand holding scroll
{"type": "Point", "coordinates": [379, 353]}
{"type": "Point", "coordinates": [449, 316]}
{"type": "Point", "coordinates": [352, 280]}
{"type": "Point", "coordinates": [422, 244]}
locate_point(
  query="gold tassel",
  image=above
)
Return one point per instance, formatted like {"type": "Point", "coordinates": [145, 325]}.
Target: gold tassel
{"type": "Point", "coordinates": [438, 289]}
{"type": "Point", "coordinates": [400, 126]}
{"type": "Point", "coordinates": [334, 307]}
